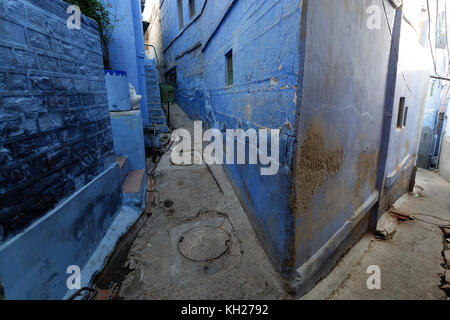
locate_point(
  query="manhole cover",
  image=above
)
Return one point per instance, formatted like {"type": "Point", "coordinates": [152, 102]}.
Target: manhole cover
{"type": "Point", "coordinates": [204, 243]}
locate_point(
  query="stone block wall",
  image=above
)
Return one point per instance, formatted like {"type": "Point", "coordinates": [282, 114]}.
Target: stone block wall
{"type": "Point", "coordinates": [55, 131]}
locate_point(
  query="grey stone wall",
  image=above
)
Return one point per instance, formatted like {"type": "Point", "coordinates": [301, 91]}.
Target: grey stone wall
{"type": "Point", "coordinates": [55, 133]}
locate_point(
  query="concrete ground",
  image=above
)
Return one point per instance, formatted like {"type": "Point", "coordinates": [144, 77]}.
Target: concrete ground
{"type": "Point", "coordinates": [170, 260]}
{"type": "Point", "coordinates": [410, 263]}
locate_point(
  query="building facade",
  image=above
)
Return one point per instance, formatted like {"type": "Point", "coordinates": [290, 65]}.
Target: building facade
{"type": "Point", "coordinates": [62, 205]}
{"type": "Point", "coordinates": [336, 83]}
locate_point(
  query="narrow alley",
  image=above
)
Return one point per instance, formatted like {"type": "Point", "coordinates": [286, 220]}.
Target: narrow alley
{"type": "Point", "coordinates": [220, 256]}
{"type": "Point", "coordinates": [411, 259]}
{"type": "Point", "coordinates": [200, 154]}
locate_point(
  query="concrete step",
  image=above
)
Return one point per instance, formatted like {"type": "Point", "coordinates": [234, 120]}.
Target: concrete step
{"type": "Point", "coordinates": [158, 123]}
{"type": "Point", "coordinates": [160, 128]}
{"type": "Point", "coordinates": [133, 188]}
{"type": "Point", "coordinates": [121, 160]}
{"type": "Point", "coordinates": [154, 100]}
{"type": "Point", "coordinates": [152, 96]}
{"type": "Point", "coordinates": [157, 120]}
{"type": "Point", "coordinates": [155, 113]}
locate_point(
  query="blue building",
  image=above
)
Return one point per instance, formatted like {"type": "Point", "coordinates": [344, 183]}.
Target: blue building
{"type": "Point", "coordinates": [66, 196]}
{"type": "Point", "coordinates": [127, 54]}
{"type": "Point", "coordinates": [347, 96]}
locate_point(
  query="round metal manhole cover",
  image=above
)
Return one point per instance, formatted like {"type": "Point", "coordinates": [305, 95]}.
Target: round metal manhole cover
{"type": "Point", "coordinates": [204, 243]}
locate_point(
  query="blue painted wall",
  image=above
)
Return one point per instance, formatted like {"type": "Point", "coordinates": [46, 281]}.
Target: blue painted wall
{"type": "Point", "coordinates": [429, 138]}
{"type": "Point", "coordinates": [55, 133]}
{"type": "Point", "coordinates": [34, 264]}
{"type": "Point", "coordinates": [59, 183]}
{"type": "Point", "coordinates": [118, 90]}
{"type": "Point", "coordinates": [342, 111]}
{"type": "Point", "coordinates": [181, 50]}
{"type": "Point", "coordinates": [343, 96]}
{"type": "Point", "coordinates": [294, 70]}
{"type": "Point", "coordinates": [128, 135]}
{"type": "Point", "coordinates": [264, 93]}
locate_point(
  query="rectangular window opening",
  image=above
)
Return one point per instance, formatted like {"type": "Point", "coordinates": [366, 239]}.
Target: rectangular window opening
{"type": "Point", "coordinates": [180, 14]}
{"type": "Point", "coordinates": [405, 117]}
{"type": "Point", "coordinates": [229, 58]}
{"type": "Point", "coordinates": [171, 76]}
{"type": "Point", "coordinates": [191, 8]}
{"type": "Point", "coordinates": [401, 112]}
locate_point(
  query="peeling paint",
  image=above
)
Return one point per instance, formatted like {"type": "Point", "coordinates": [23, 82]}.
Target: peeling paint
{"type": "Point", "coordinates": [366, 174]}
{"type": "Point", "coordinates": [316, 164]}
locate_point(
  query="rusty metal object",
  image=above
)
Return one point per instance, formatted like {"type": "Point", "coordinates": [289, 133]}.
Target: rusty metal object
{"type": "Point", "coordinates": [91, 291]}
{"type": "Point", "coordinates": [107, 294]}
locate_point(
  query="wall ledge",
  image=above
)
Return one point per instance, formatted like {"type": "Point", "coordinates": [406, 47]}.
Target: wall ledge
{"type": "Point", "coordinates": [392, 177]}
{"type": "Point", "coordinates": [323, 261]}
{"type": "Point", "coordinates": [33, 264]}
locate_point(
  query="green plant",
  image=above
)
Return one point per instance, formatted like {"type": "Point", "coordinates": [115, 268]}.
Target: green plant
{"type": "Point", "coordinates": [95, 10]}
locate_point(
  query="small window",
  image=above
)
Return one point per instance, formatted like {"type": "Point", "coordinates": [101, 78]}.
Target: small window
{"type": "Point", "coordinates": [229, 58]}
{"type": "Point", "coordinates": [180, 14]}
{"type": "Point", "coordinates": [405, 117]}
{"type": "Point", "coordinates": [191, 8]}
{"type": "Point", "coordinates": [171, 76]}
{"type": "Point", "coordinates": [401, 112]}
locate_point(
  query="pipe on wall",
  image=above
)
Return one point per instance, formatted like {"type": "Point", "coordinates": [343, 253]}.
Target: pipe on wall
{"type": "Point", "coordinates": [140, 57]}
{"type": "Point", "coordinates": [388, 111]}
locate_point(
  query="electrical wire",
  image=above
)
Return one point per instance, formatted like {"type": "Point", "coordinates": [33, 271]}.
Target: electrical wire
{"type": "Point", "coordinates": [429, 34]}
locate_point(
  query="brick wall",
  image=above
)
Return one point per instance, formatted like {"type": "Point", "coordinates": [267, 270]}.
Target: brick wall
{"type": "Point", "coordinates": [55, 133]}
